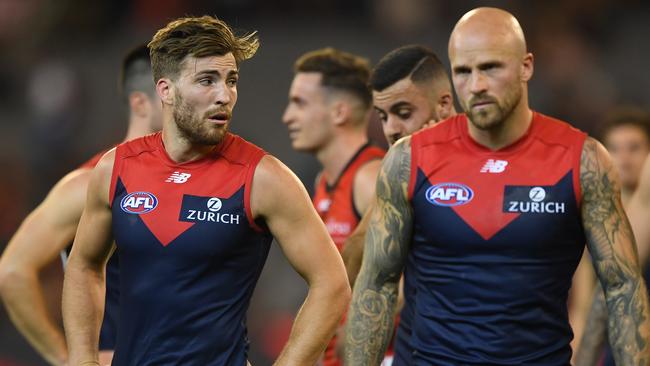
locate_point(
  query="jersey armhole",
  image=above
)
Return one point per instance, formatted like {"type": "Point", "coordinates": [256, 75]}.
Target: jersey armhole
{"type": "Point", "coordinates": [577, 188]}
{"type": "Point", "coordinates": [247, 192]}
{"type": "Point", "coordinates": [414, 165]}
{"type": "Point", "coordinates": [117, 164]}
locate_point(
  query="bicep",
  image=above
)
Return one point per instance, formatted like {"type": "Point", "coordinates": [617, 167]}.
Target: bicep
{"type": "Point", "coordinates": [93, 239]}
{"type": "Point", "coordinates": [609, 236]}
{"type": "Point", "coordinates": [292, 220]}
{"type": "Point", "coordinates": [364, 185]}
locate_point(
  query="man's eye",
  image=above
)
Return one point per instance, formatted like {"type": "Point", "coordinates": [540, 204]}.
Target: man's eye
{"type": "Point", "coordinates": [404, 114]}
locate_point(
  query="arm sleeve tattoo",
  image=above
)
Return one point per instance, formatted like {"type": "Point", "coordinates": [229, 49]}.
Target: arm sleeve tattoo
{"type": "Point", "coordinates": [371, 314]}
{"type": "Point", "coordinates": [613, 250]}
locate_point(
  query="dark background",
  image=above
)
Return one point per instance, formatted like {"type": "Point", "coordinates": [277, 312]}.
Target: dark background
{"type": "Point", "coordinates": [59, 105]}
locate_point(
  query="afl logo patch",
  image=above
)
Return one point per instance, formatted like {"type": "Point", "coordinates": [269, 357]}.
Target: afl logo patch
{"type": "Point", "coordinates": [449, 194]}
{"type": "Point", "coordinates": [138, 203]}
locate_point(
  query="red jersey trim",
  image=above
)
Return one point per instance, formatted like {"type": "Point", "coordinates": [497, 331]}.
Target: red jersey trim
{"type": "Point", "coordinates": [250, 173]}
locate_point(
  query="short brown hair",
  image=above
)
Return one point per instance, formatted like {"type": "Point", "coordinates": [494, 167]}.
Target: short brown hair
{"type": "Point", "coordinates": [199, 37]}
{"type": "Point", "coordinates": [340, 70]}
{"type": "Point", "coordinates": [627, 115]}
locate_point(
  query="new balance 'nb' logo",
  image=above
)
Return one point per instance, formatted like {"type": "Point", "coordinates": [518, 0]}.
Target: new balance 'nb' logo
{"type": "Point", "coordinates": [494, 166]}
{"type": "Point", "coordinates": [178, 178]}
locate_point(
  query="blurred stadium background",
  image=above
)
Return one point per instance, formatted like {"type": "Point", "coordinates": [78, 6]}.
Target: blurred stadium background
{"type": "Point", "coordinates": [59, 104]}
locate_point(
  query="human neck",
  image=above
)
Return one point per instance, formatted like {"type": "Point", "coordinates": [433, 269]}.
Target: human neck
{"type": "Point", "coordinates": [138, 127]}
{"type": "Point", "coordinates": [336, 155]}
{"type": "Point", "coordinates": [179, 148]}
{"type": "Point", "coordinates": [506, 133]}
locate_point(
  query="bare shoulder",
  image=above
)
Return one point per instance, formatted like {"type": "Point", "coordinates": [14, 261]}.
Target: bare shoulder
{"type": "Point", "coordinates": [593, 155]}
{"type": "Point", "coordinates": [596, 169]}
{"type": "Point", "coordinates": [274, 186]}
{"type": "Point", "coordinates": [100, 182]}
{"type": "Point", "coordinates": [72, 185]}
{"type": "Point", "coordinates": [271, 172]}
{"type": "Point", "coordinates": [367, 174]}
{"type": "Point", "coordinates": [399, 151]}
{"type": "Point", "coordinates": [396, 168]}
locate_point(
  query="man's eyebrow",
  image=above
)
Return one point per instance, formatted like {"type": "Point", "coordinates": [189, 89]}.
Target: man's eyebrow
{"type": "Point", "coordinates": [399, 105]}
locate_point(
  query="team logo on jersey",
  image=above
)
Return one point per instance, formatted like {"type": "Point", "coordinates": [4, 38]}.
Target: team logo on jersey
{"type": "Point", "coordinates": [532, 199]}
{"type": "Point", "coordinates": [494, 166]}
{"type": "Point", "coordinates": [214, 204]}
{"type": "Point", "coordinates": [178, 177]}
{"type": "Point", "coordinates": [323, 205]}
{"type": "Point", "coordinates": [449, 194]}
{"type": "Point", "coordinates": [139, 203]}
{"type": "Point", "coordinates": [338, 228]}
{"type": "Point", "coordinates": [209, 210]}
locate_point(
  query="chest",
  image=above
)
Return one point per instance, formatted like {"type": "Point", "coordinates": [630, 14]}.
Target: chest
{"type": "Point", "coordinates": [474, 203]}
{"type": "Point", "coordinates": [191, 213]}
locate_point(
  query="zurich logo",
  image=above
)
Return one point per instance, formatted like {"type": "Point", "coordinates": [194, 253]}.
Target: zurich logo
{"type": "Point", "coordinates": [138, 203]}
{"type": "Point", "coordinates": [449, 194]}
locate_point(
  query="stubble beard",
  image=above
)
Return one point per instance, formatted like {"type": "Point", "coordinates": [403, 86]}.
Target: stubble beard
{"type": "Point", "coordinates": [494, 116]}
{"type": "Point", "coordinates": [193, 128]}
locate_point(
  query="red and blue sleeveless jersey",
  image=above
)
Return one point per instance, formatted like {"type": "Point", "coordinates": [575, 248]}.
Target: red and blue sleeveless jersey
{"type": "Point", "coordinates": [335, 206]}
{"type": "Point", "coordinates": [108, 331]}
{"type": "Point", "coordinates": [497, 236]}
{"type": "Point", "coordinates": [190, 252]}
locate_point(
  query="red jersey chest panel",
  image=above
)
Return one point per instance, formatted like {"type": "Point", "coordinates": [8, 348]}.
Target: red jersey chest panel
{"type": "Point", "coordinates": [170, 198]}
{"type": "Point", "coordinates": [489, 189]}
{"type": "Point", "coordinates": [335, 204]}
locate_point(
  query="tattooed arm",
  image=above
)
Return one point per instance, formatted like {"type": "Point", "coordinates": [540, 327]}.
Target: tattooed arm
{"type": "Point", "coordinates": [370, 321]}
{"type": "Point", "coordinates": [611, 244]}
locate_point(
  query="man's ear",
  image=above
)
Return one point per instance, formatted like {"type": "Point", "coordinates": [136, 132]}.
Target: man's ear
{"type": "Point", "coordinates": [139, 104]}
{"type": "Point", "coordinates": [165, 90]}
{"type": "Point", "coordinates": [340, 112]}
{"type": "Point", "coordinates": [444, 105]}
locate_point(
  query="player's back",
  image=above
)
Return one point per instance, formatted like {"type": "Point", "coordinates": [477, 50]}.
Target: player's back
{"type": "Point", "coordinates": [497, 237]}
{"type": "Point", "coordinates": [190, 253]}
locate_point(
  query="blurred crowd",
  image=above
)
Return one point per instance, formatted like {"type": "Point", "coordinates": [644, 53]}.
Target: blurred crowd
{"type": "Point", "coordinates": [59, 102]}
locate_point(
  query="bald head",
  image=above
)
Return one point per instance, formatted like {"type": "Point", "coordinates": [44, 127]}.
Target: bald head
{"type": "Point", "coordinates": [490, 68]}
{"type": "Point", "coordinates": [483, 27]}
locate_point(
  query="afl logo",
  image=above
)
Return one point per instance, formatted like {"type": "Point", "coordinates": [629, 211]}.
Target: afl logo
{"type": "Point", "coordinates": [449, 194]}
{"type": "Point", "coordinates": [138, 203]}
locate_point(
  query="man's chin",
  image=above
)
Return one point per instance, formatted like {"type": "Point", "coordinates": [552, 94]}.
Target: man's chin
{"type": "Point", "coordinates": [297, 146]}
{"type": "Point", "coordinates": [484, 121]}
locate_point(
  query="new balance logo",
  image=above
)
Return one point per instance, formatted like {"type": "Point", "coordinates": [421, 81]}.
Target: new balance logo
{"type": "Point", "coordinates": [494, 166]}
{"type": "Point", "coordinates": [178, 178]}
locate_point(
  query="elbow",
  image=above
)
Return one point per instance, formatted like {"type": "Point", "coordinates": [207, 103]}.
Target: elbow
{"type": "Point", "coordinates": [13, 278]}
{"type": "Point", "coordinates": [344, 294]}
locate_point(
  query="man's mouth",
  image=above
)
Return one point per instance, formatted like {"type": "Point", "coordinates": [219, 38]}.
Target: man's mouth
{"type": "Point", "coordinates": [219, 118]}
